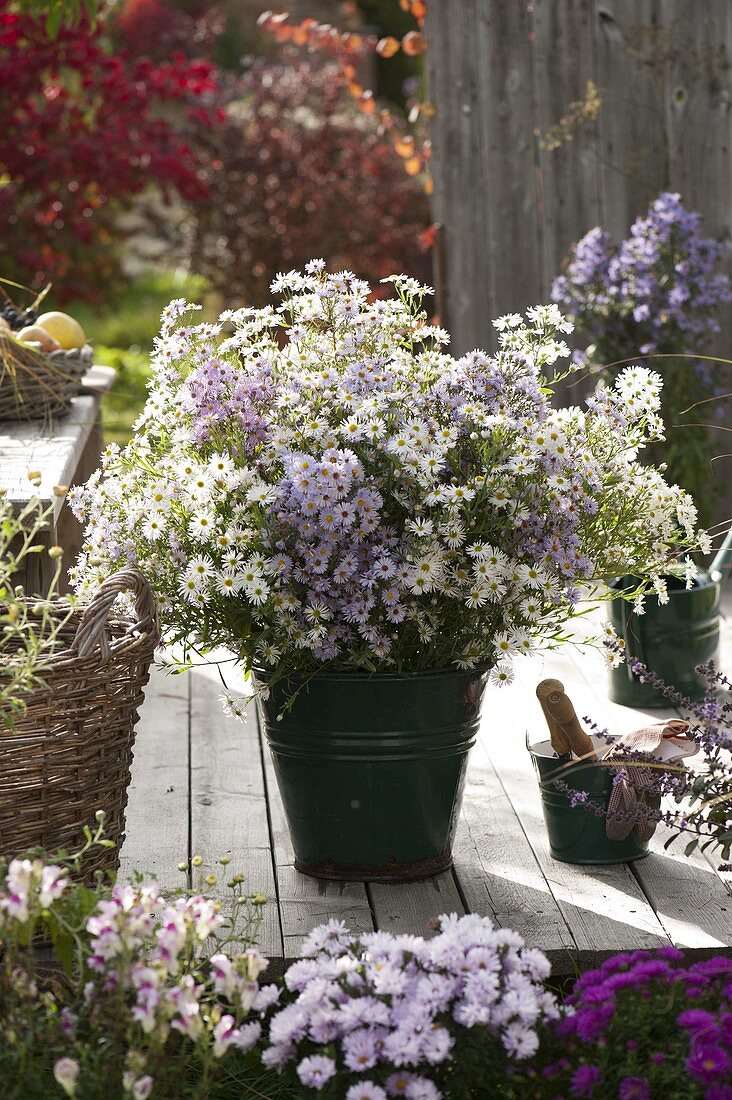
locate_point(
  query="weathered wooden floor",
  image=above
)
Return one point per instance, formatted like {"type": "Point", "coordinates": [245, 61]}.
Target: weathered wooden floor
{"type": "Point", "coordinates": [203, 784]}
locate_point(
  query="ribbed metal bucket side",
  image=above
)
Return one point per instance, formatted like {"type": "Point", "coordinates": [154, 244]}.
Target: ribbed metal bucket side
{"type": "Point", "coordinates": [670, 639]}
{"type": "Point", "coordinates": [576, 834]}
{"type": "Point", "coordinates": [371, 769]}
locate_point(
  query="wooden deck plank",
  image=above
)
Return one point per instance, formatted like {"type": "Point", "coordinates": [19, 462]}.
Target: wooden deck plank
{"type": "Point", "coordinates": [410, 907]}
{"type": "Point", "coordinates": [502, 864]}
{"type": "Point", "coordinates": [687, 894]}
{"type": "Point", "coordinates": [497, 871]}
{"type": "Point", "coordinates": [228, 804]}
{"type": "Point", "coordinates": [157, 810]}
{"type": "Point", "coordinates": [305, 902]}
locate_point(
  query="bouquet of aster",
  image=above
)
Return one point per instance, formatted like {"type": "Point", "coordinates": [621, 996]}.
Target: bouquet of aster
{"type": "Point", "coordinates": [320, 486]}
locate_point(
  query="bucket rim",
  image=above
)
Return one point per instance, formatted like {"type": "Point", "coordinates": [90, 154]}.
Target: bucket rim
{"type": "Point", "coordinates": [358, 677]}
{"type": "Point", "coordinates": [616, 585]}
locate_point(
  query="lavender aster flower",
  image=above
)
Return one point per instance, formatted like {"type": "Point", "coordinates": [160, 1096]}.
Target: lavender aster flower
{"type": "Point", "coordinates": [316, 1071]}
{"type": "Point", "coordinates": [654, 293]}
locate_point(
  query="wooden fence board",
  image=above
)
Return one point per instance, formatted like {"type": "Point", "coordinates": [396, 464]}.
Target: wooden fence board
{"type": "Point", "coordinates": [500, 73]}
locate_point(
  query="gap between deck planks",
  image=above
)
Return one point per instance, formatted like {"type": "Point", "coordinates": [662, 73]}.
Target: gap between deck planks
{"type": "Point", "coordinates": [204, 784]}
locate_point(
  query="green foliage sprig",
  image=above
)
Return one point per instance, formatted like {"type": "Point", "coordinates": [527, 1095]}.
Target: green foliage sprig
{"type": "Point", "coordinates": [30, 628]}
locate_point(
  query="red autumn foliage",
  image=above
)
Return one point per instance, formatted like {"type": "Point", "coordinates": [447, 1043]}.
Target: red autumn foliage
{"type": "Point", "coordinates": [347, 49]}
{"type": "Point", "coordinates": [304, 174]}
{"type": "Point", "coordinates": [156, 30]}
{"type": "Point", "coordinates": [85, 130]}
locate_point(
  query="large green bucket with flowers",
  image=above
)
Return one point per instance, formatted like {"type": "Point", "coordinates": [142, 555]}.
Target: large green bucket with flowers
{"type": "Point", "coordinates": [371, 769]}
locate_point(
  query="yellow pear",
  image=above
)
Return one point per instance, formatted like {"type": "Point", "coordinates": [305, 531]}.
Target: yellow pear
{"type": "Point", "coordinates": [67, 332]}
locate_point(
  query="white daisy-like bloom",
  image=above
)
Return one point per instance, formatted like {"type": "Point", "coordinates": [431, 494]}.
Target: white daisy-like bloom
{"type": "Point", "coordinates": [222, 466]}
{"type": "Point", "coordinates": [199, 485]}
{"type": "Point", "coordinates": [508, 321]}
{"type": "Point", "coordinates": [458, 494]}
{"type": "Point", "coordinates": [202, 526]}
{"type": "Point", "coordinates": [256, 591]}
{"type": "Point", "coordinates": [521, 642]}
{"type": "Point", "coordinates": [227, 582]}
{"type": "Point", "coordinates": [261, 493]}
{"type": "Point", "coordinates": [154, 527]}
{"type": "Point", "coordinates": [422, 527]}
{"type": "Point", "coordinates": [189, 588]}
{"type": "Point", "coordinates": [201, 568]}
{"type": "Point", "coordinates": [478, 595]}
{"type": "Point", "coordinates": [531, 608]}
{"type": "Point", "coordinates": [269, 653]}
{"type": "Point", "coordinates": [233, 707]}
{"type": "Point", "coordinates": [501, 674]}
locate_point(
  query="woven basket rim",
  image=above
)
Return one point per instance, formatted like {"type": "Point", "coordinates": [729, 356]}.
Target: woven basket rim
{"type": "Point", "coordinates": [126, 633]}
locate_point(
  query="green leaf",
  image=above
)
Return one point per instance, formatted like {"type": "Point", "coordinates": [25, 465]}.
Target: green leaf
{"type": "Point", "coordinates": [691, 846]}
{"type": "Point", "coordinates": [63, 946]}
{"type": "Point", "coordinates": [53, 22]}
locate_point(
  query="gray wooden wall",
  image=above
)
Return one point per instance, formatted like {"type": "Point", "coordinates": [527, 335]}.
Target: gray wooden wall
{"type": "Point", "coordinates": [502, 72]}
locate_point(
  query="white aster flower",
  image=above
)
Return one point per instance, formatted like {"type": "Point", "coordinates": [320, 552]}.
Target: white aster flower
{"type": "Point", "coordinates": [256, 591]}
{"type": "Point", "coordinates": [501, 675]}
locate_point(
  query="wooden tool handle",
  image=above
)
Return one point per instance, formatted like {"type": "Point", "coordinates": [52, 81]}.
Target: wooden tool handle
{"type": "Point", "coordinates": [559, 739]}
{"type": "Point", "coordinates": [561, 710]}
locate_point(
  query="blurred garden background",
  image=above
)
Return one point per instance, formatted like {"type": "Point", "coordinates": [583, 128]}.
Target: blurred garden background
{"type": "Point", "coordinates": [157, 149]}
{"type": "Point", "coordinates": [180, 148]}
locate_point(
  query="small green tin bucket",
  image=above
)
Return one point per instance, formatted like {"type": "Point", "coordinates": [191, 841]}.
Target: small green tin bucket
{"type": "Point", "coordinates": [576, 833]}
{"type": "Point", "coordinates": [669, 639]}
{"type": "Point", "coordinates": [371, 769]}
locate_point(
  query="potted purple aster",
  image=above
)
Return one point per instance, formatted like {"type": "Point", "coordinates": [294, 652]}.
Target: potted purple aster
{"type": "Point", "coordinates": [377, 530]}
{"type": "Point", "coordinates": [657, 295]}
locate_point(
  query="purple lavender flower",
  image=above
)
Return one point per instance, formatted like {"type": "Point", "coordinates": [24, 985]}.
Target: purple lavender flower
{"type": "Point", "coordinates": [401, 1006]}
{"type": "Point", "coordinates": [365, 1090]}
{"type": "Point", "coordinates": [654, 293]}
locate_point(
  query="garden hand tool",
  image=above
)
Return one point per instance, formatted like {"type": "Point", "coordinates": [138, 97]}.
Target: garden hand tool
{"type": "Point", "coordinates": [559, 739]}
{"type": "Point", "coordinates": [558, 707]}
{"type": "Point", "coordinates": [634, 799]}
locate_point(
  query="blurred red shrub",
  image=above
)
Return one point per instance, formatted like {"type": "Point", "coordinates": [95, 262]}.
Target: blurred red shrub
{"type": "Point", "coordinates": [156, 29]}
{"type": "Point", "coordinates": [84, 130]}
{"type": "Point", "coordinates": [297, 172]}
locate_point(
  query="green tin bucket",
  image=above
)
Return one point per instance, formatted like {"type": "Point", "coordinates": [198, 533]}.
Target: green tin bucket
{"type": "Point", "coordinates": [669, 639]}
{"type": "Point", "coordinates": [371, 769]}
{"type": "Point", "coordinates": [576, 834]}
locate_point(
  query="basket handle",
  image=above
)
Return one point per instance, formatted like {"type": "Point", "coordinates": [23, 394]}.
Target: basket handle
{"type": "Point", "coordinates": [92, 631]}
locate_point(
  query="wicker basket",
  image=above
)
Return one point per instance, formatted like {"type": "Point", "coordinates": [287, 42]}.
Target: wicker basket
{"type": "Point", "coordinates": [35, 385]}
{"type": "Point", "coordinates": [69, 755]}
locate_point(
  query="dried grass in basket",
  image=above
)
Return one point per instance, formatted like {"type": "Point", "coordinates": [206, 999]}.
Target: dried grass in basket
{"type": "Point", "coordinates": [69, 755]}
{"type": "Point", "coordinates": [35, 385]}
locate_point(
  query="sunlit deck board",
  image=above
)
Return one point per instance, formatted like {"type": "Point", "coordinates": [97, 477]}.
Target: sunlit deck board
{"type": "Point", "coordinates": [204, 784]}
